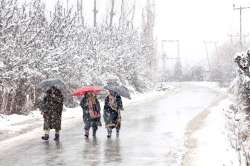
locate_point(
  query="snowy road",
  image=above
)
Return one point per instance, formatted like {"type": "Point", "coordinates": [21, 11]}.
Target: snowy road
{"type": "Point", "coordinates": [152, 134]}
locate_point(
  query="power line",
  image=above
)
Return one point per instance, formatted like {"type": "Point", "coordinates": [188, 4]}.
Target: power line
{"type": "Point", "coordinates": [178, 66]}
{"type": "Point", "coordinates": [244, 36]}
{"type": "Point", "coordinates": [177, 58]}
{"type": "Point", "coordinates": [178, 48]}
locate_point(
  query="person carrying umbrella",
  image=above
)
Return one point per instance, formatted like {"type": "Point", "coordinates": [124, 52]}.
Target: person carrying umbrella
{"type": "Point", "coordinates": [112, 115]}
{"type": "Point", "coordinates": [91, 113]}
{"type": "Point", "coordinates": [51, 109]}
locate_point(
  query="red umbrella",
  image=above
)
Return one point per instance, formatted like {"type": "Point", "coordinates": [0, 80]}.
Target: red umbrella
{"type": "Point", "coordinates": [85, 89]}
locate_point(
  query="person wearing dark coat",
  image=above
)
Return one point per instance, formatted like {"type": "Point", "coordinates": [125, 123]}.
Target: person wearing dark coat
{"type": "Point", "coordinates": [112, 112]}
{"type": "Point", "coordinates": [51, 108]}
{"type": "Point", "coordinates": [91, 113]}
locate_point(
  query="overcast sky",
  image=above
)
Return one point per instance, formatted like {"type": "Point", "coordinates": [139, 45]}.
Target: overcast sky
{"type": "Point", "coordinates": [193, 21]}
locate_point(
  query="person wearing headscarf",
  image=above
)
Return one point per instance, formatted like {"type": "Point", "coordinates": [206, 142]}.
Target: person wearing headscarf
{"type": "Point", "coordinates": [112, 113]}
{"type": "Point", "coordinates": [91, 113]}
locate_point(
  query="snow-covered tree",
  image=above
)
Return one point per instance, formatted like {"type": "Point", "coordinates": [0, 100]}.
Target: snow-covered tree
{"type": "Point", "coordinates": [34, 47]}
{"type": "Point", "coordinates": [147, 37]}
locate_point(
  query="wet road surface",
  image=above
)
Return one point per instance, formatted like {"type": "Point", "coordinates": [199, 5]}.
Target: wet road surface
{"type": "Point", "coordinates": [152, 134]}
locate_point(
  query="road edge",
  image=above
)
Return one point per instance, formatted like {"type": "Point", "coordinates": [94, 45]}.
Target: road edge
{"type": "Point", "coordinates": [194, 125]}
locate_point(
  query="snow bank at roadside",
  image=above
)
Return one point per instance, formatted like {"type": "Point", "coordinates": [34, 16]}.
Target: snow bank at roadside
{"type": "Point", "coordinates": [12, 125]}
{"type": "Point", "coordinates": [212, 145]}
{"type": "Point", "coordinates": [15, 123]}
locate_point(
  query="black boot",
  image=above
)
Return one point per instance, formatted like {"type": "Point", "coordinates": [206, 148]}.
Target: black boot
{"type": "Point", "coordinates": [45, 137]}
{"type": "Point", "coordinates": [86, 133]}
{"type": "Point", "coordinates": [57, 136]}
{"type": "Point", "coordinates": [117, 132]}
{"type": "Point", "coordinates": [109, 133]}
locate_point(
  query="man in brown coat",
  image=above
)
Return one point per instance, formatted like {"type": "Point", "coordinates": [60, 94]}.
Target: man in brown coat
{"type": "Point", "coordinates": [52, 106]}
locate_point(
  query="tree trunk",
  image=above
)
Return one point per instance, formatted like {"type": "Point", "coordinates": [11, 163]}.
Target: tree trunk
{"type": "Point", "coordinates": [81, 13]}
{"type": "Point", "coordinates": [112, 13]}
{"type": "Point", "coordinates": [95, 13]}
{"type": "Point", "coordinates": [121, 19]}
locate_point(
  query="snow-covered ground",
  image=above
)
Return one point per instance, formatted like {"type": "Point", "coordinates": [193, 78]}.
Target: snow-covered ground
{"type": "Point", "coordinates": [208, 143]}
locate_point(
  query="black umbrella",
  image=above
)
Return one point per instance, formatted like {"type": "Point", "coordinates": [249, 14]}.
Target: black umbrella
{"type": "Point", "coordinates": [120, 90]}
{"type": "Point", "coordinates": [48, 83]}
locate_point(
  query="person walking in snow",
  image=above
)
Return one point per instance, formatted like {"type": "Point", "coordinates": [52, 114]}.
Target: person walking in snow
{"type": "Point", "coordinates": [112, 112]}
{"type": "Point", "coordinates": [91, 113]}
{"type": "Point", "coordinates": [52, 106]}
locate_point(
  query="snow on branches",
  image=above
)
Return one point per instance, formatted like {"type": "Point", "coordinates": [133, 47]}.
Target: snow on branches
{"type": "Point", "coordinates": [34, 47]}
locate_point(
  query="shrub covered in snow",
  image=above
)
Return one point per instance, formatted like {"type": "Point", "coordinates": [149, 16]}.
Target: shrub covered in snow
{"type": "Point", "coordinates": [239, 114]}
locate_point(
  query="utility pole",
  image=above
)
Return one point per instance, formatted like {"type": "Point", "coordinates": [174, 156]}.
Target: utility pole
{"type": "Point", "coordinates": [163, 57]}
{"type": "Point", "coordinates": [207, 54]}
{"type": "Point", "coordinates": [240, 8]}
{"type": "Point", "coordinates": [178, 50]}
{"type": "Point", "coordinates": [95, 13]}
{"type": "Point", "coordinates": [177, 59]}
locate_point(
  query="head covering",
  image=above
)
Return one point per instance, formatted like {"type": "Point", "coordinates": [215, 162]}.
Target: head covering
{"type": "Point", "coordinates": [112, 102]}
{"type": "Point", "coordinates": [89, 94]}
{"type": "Point", "coordinates": [91, 102]}
{"type": "Point", "coordinates": [113, 93]}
